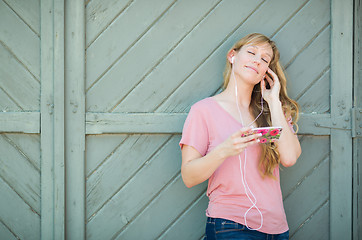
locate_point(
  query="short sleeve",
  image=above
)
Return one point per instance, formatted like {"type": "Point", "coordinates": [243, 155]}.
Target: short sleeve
{"type": "Point", "coordinates": [195, 131]}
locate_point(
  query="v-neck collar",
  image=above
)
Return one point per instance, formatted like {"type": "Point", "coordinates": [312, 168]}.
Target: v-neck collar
{"type": "Point", "coordinates": [224, 110]}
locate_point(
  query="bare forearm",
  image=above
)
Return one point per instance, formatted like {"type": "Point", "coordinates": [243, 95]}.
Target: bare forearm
{"type": "Point", "coordinates": [200, 169]}
{"type": "Point", "coordinates": [288, 144]}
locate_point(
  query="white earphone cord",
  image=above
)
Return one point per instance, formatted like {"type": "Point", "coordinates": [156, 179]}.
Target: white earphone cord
{"type": "Point", "coordinates": [243, 176]}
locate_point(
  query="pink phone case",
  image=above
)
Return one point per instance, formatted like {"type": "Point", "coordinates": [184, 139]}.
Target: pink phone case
{"type": "Point", "coordinates": [269, 134]}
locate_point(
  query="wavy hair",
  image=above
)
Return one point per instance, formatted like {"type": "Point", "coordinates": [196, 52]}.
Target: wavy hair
{"type": "Point", "coordinates": [270, 157]}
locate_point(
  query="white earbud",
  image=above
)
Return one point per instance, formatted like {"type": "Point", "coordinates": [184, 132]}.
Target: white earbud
{"type": "Point", "coordinates": [232, 59]}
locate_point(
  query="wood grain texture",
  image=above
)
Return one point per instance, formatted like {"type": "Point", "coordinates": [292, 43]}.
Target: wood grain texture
{"type": "Point", "coordinates": [209, 71]}
{"type": "Point", "coordinates": [298, 207]}
{"type": "Point", "coordinates": [17, 82]}
{"type": "Point", "coordinates": [341, 103]}
{"type": "Point", "coordinates": [192, 218]}
{"type": "Point", "coordinates": [153, 46]}
{"type": "Point", "coordinates": [140, 190]}
{"type": "Point", "coordinates": [304, 77]}
{"type": "Point", "coordinates": [23, 42]}
{"type": "Point", "coordinates": [20, 173]}
{"type": "Point", "coordinates": [18, 216]}
{"type": "Point", "coordinates": [28, 11]}
{"type": "Point", "coordinates": [100, 14]}
{"type": "Point", "coordinates": [150, 93]}
{"type": "Point", "coordinates": [22, 122]}
{"type": "Point", "coordinates": [117, 170]}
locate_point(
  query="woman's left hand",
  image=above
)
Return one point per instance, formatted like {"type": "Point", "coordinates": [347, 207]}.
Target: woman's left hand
{"type": "Point", "coordinates": [273, 93]}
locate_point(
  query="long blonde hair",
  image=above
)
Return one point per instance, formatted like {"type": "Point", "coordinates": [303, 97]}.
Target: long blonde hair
{"type": "Point", "coordinates": [270, 157]}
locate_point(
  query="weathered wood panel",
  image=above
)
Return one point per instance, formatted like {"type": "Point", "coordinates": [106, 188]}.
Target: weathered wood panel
{"type": "Point", "coordinates": [20, 39]}
{"type": "Point", "coordinates": [146, 63]}
{"type": "Point", "coordinates": [20, 219]}
{"type": "Point", "coordinates": [152, 46]}
{"type": "Point", "coordinates": [357, 142]}
{"type": "Point", "coordinates": [147, 80]}
{"type": "Point", "coordinates": [119, 167]}
{"type": "Point", "coordinates": [209, 71]}
{"type": "Point", "coordinates": [28, 11]}
{"type": "Point", "coordinates": [150, 93]}
{"type": "Point", "coordinates": [341, 103]}
{"type": "Point", "coordinates": [19, 186]}
{"type": "Point", "coordinates": [145, 185]}
{"type": "Point", "coordinates": [17, 82]}
{"type": "Point", "coordinates": [20, 155]}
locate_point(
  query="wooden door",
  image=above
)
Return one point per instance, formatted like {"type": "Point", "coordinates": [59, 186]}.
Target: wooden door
{"type": "Point", "coordinates": [93, 103]}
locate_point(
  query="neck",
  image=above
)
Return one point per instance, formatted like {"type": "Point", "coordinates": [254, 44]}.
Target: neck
{"type": "Point", "coordinates": [244, 92]}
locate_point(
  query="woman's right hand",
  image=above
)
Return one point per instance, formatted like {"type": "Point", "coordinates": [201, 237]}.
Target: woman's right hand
{"type": "Point", "coordinates": [237, 142]}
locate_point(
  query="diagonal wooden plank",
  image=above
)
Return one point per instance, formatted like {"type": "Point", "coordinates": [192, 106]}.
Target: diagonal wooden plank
{"type": "Point", "coordinates": [6, 103]}
{"type": "Point", "coordinates": [316, 98]}
{"type": "Point", "coordinates": [191, 225]}
{"type": "Point", "coordinates": [143, 187]}
{"type": "Point", "coordinates": [169, 203]}
{"type": "Point", "coordinates": [100, 14]}
{"type": "Point", "coordinates": [17, 215]}
{"type": "Point", "coordinates": [119, 168]}
{"type": "Point", "coordinates": [315, 15]}
{"type": "Point", "coordinates": [23, 42]}
{"type": "Point", "coordinates": [18, 83]}
{"type": "Point", "coordinates": [23, 177]}
{"type": "Point", "coordinates": [113, 43]}
{"type": "Point", "coordinates": [209, 71]}
{"type": "Point", "coordinates": [100, 147]}
{"type": "Point", "coordinates": [5, 232]}
{"type": "Point", "coordinates": [298, 207]}
{"type": "Point", "coordinates": [148, 94]}
{"type": "Point", "coordinates": [315, 61]}
{"type": "Point", "coordinates": [152, 47]}
{"type": "Point", "coordinates": [28, 145]}
{"type": "Point", "coordinates": [316, 227]}
{"type": "Point", "coordinates": [314, 151]}
{"type": "Point", "coordinates": [28, 11]}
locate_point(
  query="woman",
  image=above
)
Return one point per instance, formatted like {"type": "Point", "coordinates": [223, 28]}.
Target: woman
{"type": "Point", "coordinates": [245, 200]}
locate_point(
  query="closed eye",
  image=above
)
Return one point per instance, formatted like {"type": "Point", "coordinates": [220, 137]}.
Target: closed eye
{"type": "Point", "coordinates": [251, 52]}
{"type": "Point", "coordinates": [265, 60]}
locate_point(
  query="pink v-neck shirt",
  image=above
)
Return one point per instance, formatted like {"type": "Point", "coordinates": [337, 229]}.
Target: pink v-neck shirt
{"type": "Point", "coordinates": [207, 125]}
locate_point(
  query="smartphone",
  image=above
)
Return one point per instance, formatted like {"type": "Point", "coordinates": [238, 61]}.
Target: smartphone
{"type": "Point", "coordinates": [269, 134]}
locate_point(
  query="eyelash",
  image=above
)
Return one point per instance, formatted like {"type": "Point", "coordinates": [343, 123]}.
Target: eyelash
{"type": "Point", "coordinates": [261, 59]}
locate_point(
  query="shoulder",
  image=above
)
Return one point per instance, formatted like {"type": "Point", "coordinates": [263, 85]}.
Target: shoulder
{"type": "Point", "coordinates": [204, 104]}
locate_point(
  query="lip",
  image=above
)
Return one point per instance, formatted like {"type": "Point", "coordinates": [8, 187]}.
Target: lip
{"type": "Point", "coordinates": [252, 68]}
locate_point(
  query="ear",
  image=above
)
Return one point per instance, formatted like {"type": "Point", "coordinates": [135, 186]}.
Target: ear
{"type": "Point", "coordinates": [231, 56]}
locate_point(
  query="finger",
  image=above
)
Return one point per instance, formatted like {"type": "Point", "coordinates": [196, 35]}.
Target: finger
{"type": "Point", "coordinates": [271, 72]}
{"type": "Point", "coordinates": [269, 79]}
{"type": "Point", "coordinates": [252, 137]}
{"type": "Point", "coordinates": [274, 75]}
{"type": "Point", "coordinates": [245, 131]}
{"type": "Point", "coordinates": [244, 145]}
{"type": "Point", "coordinates": [262, 84]}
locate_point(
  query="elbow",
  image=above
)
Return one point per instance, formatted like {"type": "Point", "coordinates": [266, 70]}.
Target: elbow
{"type": "Point", "coordinates": [187, 181]}
{"type": "Point", "coordinates": [291, 159]}
{"type": "Point", "coordinates": [188, 184]}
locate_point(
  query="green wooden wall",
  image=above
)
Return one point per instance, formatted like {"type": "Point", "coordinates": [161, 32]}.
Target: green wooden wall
{"type": "Point", "coordinates": [93, 96]}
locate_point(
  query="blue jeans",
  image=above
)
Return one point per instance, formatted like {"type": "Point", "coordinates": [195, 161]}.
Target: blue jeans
{"type": "Point", "coordinates": [218, 228]}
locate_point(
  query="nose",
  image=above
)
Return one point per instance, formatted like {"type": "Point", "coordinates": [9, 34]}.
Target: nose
{"type": "Point", "coordinates": [257, 59]}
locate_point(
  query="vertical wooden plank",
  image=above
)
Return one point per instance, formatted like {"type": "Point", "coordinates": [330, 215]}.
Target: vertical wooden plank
{"type": "Point", "coordinates": [75, 118]}
{"type": "Point", "coordinates": [341, 103]}
{"type": "Point", "coordinates": [52, 119]}
{"type": "Point", "coordinates": [59, 156]}
{"type": "Point", "coordinates": [357, 142]}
